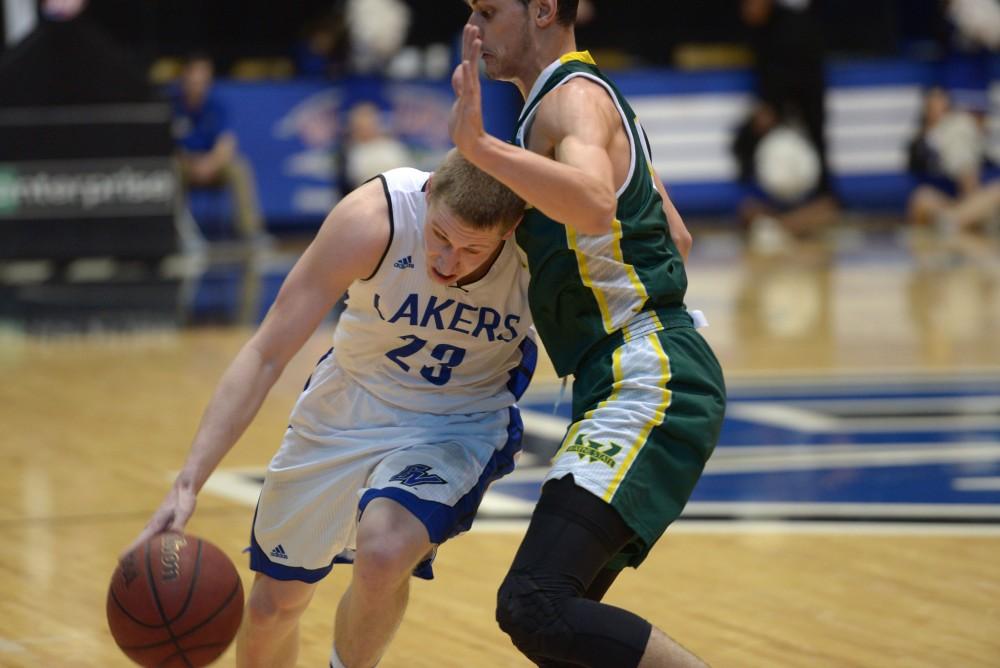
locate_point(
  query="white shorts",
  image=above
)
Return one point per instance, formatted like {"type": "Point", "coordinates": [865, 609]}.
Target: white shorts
{"type": "Point", "coordinates": [344, 447]}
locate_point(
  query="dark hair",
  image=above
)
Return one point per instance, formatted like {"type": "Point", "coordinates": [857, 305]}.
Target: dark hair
{"type": "Point", "coordinates": [477, 198]}
{"type": "Point", "coordinates": [198, 56]}
{"type": "Point", "coordinates": [566, 12]}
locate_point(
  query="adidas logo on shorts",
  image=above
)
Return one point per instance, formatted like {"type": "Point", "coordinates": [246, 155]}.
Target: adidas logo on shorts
{"type": "Point", "coordinates": [404, 263]}
{"type": "Point", "coordinates": [279, 552]}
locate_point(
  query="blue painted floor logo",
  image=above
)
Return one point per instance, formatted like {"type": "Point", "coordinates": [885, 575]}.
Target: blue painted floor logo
{"type": "Point", "coordinates": [914, 452]}
{"type": "Point", "coordinates": [907, 452]}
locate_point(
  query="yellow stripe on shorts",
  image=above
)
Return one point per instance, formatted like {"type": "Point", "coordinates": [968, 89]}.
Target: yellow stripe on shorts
{"type": "Point", "coordinates": [616, 389]}
{"type": "Point", "coordinates": [659, 415]}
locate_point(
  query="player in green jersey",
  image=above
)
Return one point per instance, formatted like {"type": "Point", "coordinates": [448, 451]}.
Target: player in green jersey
{"type": "Point", "coordinates": [606, 249]}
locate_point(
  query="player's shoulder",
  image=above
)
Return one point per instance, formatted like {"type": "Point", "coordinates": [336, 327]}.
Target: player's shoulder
{"type": "Point", "coordinates": [582, 83]}
{"type": "Point", "coordinates": [404, 180]}
{"type": "Point", "coordinates": [578, 93]}
{"type": "Point", "coordinates": [362, 218]}
{"type": "Point", "coordinates": [366, 201]}
{"type": "Point", "coordinates": [354, 235]}
{"type": "Point", "coordinates": [578, 103]}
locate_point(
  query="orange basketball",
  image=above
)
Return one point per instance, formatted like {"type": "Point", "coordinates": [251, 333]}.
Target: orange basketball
{"type": "Point", "coordinates": [177, 601]}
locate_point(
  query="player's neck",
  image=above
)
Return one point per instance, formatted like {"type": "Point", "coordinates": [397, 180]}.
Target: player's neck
{"type": "Point", "coordinates": [551, 45]}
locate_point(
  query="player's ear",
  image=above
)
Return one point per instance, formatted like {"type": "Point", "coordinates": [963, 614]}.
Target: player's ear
{"type": "Point", "coordinates": [545, 12]}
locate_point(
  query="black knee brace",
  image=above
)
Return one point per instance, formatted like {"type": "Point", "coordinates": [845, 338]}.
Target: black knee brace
{"type": "Point", "coordinates": [541, 604]}
{"type": "Point", "coordinates": [553, 627]}
{"type": "Point", "coordinates": [531, 614]}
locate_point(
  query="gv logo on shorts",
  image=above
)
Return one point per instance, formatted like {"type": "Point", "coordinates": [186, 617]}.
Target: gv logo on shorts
{"type": "Point", "coordinates": [596, 452]}
{"type": "Point", "coordinates": [415, 475]}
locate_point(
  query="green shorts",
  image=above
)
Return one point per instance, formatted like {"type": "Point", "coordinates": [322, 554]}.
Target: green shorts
{"type": "Point", "coordinates": [647, 413]}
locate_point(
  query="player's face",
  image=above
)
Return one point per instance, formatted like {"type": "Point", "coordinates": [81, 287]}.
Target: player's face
{"type": "Point", "coordinates": [456, 252]}
{"type": "Point", "coordinates": [197, 80]}
{"type": "Point", "coordinates": [505, 30]}
{"type": "Point", "coordinates": [936, 106]}
{"type": "Point", "coordinates": [757, 12]}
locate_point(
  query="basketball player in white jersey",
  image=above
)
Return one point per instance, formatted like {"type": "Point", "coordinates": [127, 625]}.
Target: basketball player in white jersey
{"type": "Point", "coordinates": [403, 424]}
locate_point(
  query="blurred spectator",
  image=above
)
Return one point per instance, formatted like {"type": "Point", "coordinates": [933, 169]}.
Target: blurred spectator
{"type": "Point", "coordinates": [17, 19]}
{"type": "Point", "coordinates": [782, 170]}
{"type": "Point", "coordinates": [206, 146]}
{"type": "Point", "coordinates": [948, 155]}
{"type": "Point", "coordinates": [972, 33]}
{"type": "Point", "coordinates": [369, 150]}
{"type": "Point", "coordinates": [321, 51]}
{"type": "Point", "coordinates": [428, 50]}
{"type": "Point", "coordinates": [377, 29]}
{"type": "Point", "coordinates": [788, 44]}
{"type": "Point", "coordinates": [63, 10]}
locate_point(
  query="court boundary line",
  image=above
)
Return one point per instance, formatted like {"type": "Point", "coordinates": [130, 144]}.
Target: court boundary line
{"type": "Point", "coordinates": [746, 527]}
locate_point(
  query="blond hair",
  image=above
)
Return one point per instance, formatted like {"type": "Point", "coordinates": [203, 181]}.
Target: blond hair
{"type": "Point", "coordinates": [477, 198]}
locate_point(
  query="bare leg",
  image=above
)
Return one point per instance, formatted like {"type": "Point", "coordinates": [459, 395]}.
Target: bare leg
{"type": "Point", "coordinates": [663, 652]}
{"type": "Point", "coordinates": [269, 635]}
{"type": "Point", "coordinates": [812, 217]}
{"type": "Point", "coordinates": [391, 542]}
{"type": "Point", "coordinates": [925, 204]}
{"type": "Point", "coordinates": [978, 207]}
{"type": "Point", "coordinates": [238, 176]}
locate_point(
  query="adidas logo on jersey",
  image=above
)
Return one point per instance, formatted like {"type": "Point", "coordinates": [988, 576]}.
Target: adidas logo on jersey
{"type": "Point", "coordinates": [279, 552]}
{"type": "Point", "coordinates": [404, 263]}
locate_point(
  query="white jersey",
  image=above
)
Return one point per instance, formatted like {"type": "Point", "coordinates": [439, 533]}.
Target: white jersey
{"type": "Point", "coordinates": [427, 347]}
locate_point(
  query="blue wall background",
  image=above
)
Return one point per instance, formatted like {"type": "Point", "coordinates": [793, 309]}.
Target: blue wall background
{"type": "Point", "coordinates": [291, 130]}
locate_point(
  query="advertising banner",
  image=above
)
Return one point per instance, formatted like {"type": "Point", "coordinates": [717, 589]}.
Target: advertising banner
{"type": "Point", "coordinates": [86, 188]}
{"type": "Point", "coordinates": [292, 131]}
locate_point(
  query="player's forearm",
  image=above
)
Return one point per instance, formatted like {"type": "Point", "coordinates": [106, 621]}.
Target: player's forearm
{"type": "Point", "coordinates": [562, 192]}
{"type": "Point", "coordinates": [233, 406]}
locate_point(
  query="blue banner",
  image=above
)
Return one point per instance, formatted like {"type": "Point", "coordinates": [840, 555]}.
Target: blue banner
{"type": "Point", "coordinates": [290, 132]}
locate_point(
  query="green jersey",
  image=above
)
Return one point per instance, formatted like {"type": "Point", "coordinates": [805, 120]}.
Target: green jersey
{"type": "Point", "coordinates": [585, 288]}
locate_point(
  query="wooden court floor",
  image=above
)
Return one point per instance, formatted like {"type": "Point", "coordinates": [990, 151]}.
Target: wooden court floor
{"type": "Point", "coordinates": [92, 429]}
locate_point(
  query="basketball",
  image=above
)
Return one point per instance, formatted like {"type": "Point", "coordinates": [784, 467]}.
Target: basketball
{"type": "Point", "coordinates": [177, 601]}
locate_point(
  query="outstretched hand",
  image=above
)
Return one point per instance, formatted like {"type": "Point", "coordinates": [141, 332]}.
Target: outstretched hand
{"type": "Point", "coordinates": [466, 121]}
{"type": "Point", "coordinates": [172, 515]}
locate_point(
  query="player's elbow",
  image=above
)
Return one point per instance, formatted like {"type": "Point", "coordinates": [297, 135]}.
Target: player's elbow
{"type": "Point", "coordinates": [600, 216]}
{"type": "Point", "coordinates": [683, 240]}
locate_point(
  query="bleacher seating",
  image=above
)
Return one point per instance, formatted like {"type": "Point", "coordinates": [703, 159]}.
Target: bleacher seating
{"type": "Point", "coordinates": [689, 117]}
{"type": "Point", "coordinates": [873, 111]}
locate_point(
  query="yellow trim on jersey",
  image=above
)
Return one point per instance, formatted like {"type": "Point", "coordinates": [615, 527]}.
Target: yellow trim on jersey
{"type": "Point", "coordinates": [581, 262]}
{"type": "Point", "coordinates": [616, 387]}
{"type": "Point", "coordinates": [582, 56]}
{"type": "Point", "coordinates": [659, 415]}
{"type": "Point", "coordinates": [640, 289]}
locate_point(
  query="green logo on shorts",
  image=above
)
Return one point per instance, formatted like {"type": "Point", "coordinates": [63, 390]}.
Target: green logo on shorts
{"type": "Point", "coordinates": [597, 452]}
